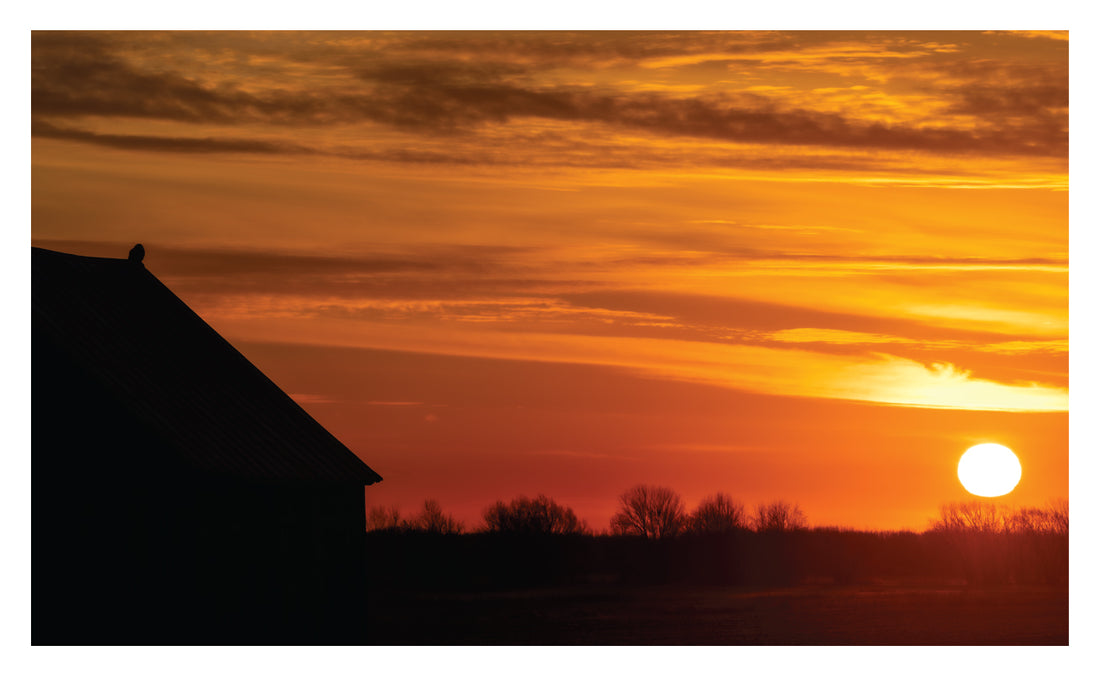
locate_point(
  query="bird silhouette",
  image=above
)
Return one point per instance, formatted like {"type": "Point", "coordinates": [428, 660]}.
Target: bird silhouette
{"type": "Point", "coordinates": [137, 253]}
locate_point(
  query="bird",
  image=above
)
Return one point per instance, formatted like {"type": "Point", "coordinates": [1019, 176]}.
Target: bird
{"type": "Point", "coordinates": [137, 253]}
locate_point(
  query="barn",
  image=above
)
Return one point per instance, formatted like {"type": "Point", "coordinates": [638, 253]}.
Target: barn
{"type": "Point", "coordinates": [178, 496]}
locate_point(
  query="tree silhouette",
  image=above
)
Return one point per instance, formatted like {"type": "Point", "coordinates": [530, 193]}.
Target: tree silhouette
{"type": "Point", "coordinates": [652, 512]}
{"type": "Point", "coordinates": [382, 518]}
{"type": "Point", "coordinates": [717, 514]}
{"type": "Point", "coordinates": [1032, 521]}
{"type": "Point", "coordinates": [1058, 515]}
{"type": "Point", "coordinates": [432, 520]}
{"type": "Point", "coordinates": [989, 517]}
{"type": "Point", "coordinates": [971, 516]}
{"type": "Point", "coordinates": [779, 516]}
{"type": "Point", "coordinates": [993, 543]}
{"type": "Point", "coordinates": [540, 515]}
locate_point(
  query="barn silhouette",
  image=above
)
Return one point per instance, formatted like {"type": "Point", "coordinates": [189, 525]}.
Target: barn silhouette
{"type": "Point", "coordinates": [178, 495]}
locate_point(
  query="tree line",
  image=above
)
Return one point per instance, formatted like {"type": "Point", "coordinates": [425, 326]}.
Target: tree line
{"type": "Point", "coordinates": [647, 511]}
{"type": "Point", "coordinates": [654, 538]}
{"type": "Point", "coordinates": [656, 512]}
{"type": "Point", "coordinates": [987, 517]}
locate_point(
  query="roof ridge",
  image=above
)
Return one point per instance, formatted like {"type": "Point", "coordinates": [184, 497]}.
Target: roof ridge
{"type": "Point", "coordinates": [166, 365]}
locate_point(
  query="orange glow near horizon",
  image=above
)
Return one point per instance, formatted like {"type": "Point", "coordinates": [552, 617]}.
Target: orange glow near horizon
{"type": "Point", "coordinates": [808, 266]}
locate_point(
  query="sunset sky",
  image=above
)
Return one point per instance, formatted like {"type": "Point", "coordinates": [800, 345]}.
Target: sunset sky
{"type": "Point", "coordinates": [809, 266]}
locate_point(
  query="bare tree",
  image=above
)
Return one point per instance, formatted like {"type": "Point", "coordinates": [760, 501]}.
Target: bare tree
{"type": "Point", "coordinates": [381, 518]}
{"type": "Point", "coordinates": [779, 516]}
{"type": "Point", "coordinates": [652, 512]}
{"type": "Point", "coordinates": [972, 516]}
{"type": "Point", "coordinates": [1027, 521]}
{"type": "Point", "coordinates": [540, 515]}
{"type": "Point", "coordinates": [432, 520]}
{"type": "Point", "coordinates": [1058, 515]}
{"type": "Point", "coordinates": [717, 514]}
{"type": "Point", "coordinates": [988, 517]}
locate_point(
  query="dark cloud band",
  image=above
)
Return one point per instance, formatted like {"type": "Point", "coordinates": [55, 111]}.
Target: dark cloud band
{"type": "Point", "coordinates": [79, 75]}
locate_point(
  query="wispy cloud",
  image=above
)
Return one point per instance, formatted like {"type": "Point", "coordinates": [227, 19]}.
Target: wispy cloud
{"type": "Point", "coordinates": [755, 297]}
{"type": "Point", "coordinates": [875, 377]}
{"type": "Point", "coordinates": [427, 85]}
{"type": "Point", "coordinates": [173, 144]}
{"type": "Point", "coordinates": [1061, 36]}
{"type": "Point", "coordinates": [811, 335]}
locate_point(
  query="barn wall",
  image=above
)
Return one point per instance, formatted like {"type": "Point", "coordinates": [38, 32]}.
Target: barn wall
{"type": "Point", "coordinates": [131, 547]}
{"type": "Point", "coordinates": [280, 563]}
{"type": "Point", "coordinates": [97, 497]}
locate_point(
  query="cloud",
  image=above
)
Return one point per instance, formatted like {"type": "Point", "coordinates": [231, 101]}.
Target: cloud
{"type": "Point", "coordinates": [1054, 347]}
{"type": "Point", "coordinates": [460, 301]}
{"type": "Point", "coordinates": [182, 262]}
{"type": "Point", "coordinates": [839, 337]}
{"type": "Point", "coordinates": [530, 282]}
{"type": "Point", "coordinates": [726, 313]}
{"type": "Point", "coordinates": [79, 74]}
{"type": "Point", "coordinates": [1045, 101]}
{"type": "Point", "coordinates": [42, 129]}
{"type": "Point", "coordinates": [856, 264]}
{"type": "Point", "coordinates": [75, 75]}
{"type": "Point", "coordinates": [743, 118]}
{"type": "Point", "coordinates": [1061, 36]}
{"type": "Point", "coordinates": [811, 335]}
{"type": "Point", "coordinates": [589, 49]}
{"type": "Point", "coordinates": [254, 278]}
{"type": "Point", "coordinates": [603, 292]}
{"type": "Point", "coordinates": [878, 378]}
{"type": "Point", "coordinates": [426, 73]}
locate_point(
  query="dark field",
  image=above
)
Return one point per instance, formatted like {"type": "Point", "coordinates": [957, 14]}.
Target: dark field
{"type": "Point", "coordinates": [866, 614]}
{"type": "Point", "coordinates": [825, 587]}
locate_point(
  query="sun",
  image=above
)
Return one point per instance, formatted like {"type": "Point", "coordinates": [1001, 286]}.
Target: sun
{"type": "Point", "coordinates": [989, 470]}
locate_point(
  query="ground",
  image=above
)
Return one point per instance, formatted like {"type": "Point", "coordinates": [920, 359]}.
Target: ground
{"type": "Point", "coordinates": [873, 614]}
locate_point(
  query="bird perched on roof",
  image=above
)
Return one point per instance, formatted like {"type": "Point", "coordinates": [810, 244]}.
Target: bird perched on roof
{"type": "Point", "coordinates": [137, 253]}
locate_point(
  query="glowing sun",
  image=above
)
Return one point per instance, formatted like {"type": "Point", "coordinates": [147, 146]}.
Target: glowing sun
{"type": "Point", "coordinates": [989, 470]}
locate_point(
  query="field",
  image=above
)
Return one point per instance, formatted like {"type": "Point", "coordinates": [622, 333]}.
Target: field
{"type": "Point", "coordinates": [867, 614]}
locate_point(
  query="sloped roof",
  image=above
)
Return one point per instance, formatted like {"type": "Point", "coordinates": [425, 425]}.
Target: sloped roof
{"type": "Point", "coordinates": [168, 367]}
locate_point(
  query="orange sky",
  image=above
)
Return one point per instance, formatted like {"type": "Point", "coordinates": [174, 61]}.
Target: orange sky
{"type": "Point", "coordinates": [812, 266]}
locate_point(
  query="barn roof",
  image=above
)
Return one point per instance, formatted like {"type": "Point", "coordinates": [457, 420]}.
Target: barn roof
{"type": "Point", "coordinates": [166, 366]}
